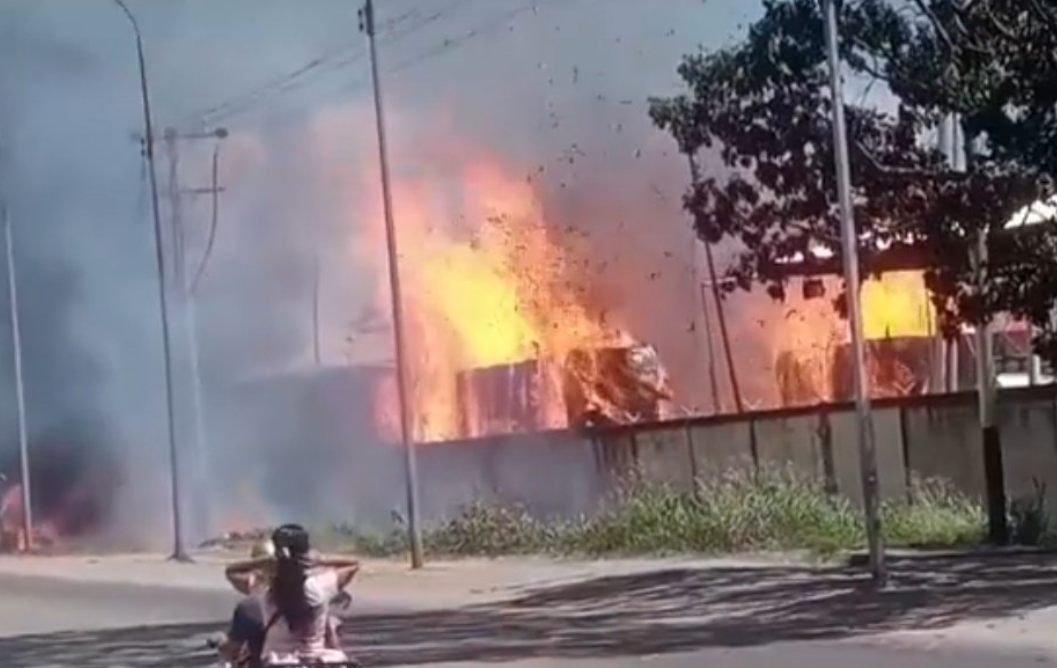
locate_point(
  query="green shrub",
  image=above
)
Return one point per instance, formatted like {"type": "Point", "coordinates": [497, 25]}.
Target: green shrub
{"type": "Point", "coordinates": [743, 510]}
{"type": "Point", "coordinates": [936, 516]}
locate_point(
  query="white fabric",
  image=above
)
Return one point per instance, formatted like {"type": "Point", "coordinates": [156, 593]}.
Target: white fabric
{"type": "Point", "coordinates": [280, 645]}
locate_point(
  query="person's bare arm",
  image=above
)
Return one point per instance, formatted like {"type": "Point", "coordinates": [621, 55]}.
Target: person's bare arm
{"type": "Point", "coordinates": [229, 651]}
{"type": "Point", "coordinates": [248, 565]}
{"type": "Point", "coordinates": [242, 574]}
{"type": "Point", "coordinates": [345, 569]}
{"type": "Point", "coordinates": [242, 582]}
{"type": "Point", "coordinates": [337, 562]}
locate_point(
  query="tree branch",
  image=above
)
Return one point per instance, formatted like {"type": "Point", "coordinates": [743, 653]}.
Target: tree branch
{"type": "Point", "coordinates": [960, 12]}
{"type": "Point", "coordinates": [1043, 15]}
{"type": "Point", "coordinates": [937, 25]}
{"type": "Point", "coordinates": [913, 172]}
{"type": "Point", "coordinates": [1002, 28]}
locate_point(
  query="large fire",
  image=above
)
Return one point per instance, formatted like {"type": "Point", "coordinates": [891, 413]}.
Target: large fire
{"type": "Point", "coordinates": [811, 340]}
{"type": "Point", "coordinates": [485, 285]}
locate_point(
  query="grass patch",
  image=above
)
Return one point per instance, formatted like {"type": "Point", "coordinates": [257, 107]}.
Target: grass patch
{"type": "Point", "coordinates": [742, 511]}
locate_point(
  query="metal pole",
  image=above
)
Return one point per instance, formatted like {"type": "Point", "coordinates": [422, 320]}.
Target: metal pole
{"type": "Point", "coordinates": [179, 553]}
{"type": "Point", "coordinates": [20, 395]}
{"type": "Point", "coordinates": [202, 488]}
{"type": "Point", "coordinates": [849, 245]}
{"type": "Point", "coordinates": [717, 299]}
{"type": "Point", "coordinates": [316, 278]}
{"type": "Point", "coordinates": [410, 466]}
{"type": "Point", "coordinates": [990, 436]}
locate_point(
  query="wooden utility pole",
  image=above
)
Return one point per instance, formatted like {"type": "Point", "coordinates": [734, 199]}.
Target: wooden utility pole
{"type": "Point", "coordinates": [717, 299]}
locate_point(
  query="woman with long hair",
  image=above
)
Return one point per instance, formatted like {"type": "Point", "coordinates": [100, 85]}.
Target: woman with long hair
{"type": "Point", "coordinates": [296, 604]}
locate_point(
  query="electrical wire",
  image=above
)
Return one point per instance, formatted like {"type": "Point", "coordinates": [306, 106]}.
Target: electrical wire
{"type": "Point", "coordinates": [323, 64]}
{"type": "Point", "coordinates": [211, 240]}
{"type": "Point", "coordinates": [453, 43]}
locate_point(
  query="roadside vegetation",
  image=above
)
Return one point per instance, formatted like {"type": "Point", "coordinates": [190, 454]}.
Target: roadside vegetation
{"type": "Point", "coordinates": [740, 512]}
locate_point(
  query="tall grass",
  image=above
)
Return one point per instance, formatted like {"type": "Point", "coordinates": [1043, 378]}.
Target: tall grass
{"type": "Point", "coordinates": [774, 509]}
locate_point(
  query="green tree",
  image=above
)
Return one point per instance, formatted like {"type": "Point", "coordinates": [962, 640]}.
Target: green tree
{"type": "Point", "coordinates": [763, 106]}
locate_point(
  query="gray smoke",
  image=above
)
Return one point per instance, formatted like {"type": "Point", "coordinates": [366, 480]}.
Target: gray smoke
{"type": "Point", "coordinates": [559, 85]}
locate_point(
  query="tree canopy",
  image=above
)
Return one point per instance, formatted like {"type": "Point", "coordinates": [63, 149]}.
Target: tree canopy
{"type": "Point", "coordinates": [764, 104]}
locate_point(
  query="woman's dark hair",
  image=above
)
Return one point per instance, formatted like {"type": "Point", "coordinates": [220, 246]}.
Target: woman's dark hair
{"type": "Point", "coordinates": [291, 569]}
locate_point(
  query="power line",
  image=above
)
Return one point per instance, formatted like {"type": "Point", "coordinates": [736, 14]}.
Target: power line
{"type": "Point", "coordinates": [214, 191]}
{"type": "Point", "coordinates": [297, 78]}
{"type": "Point", "coordinates": [453, 43]}
{"type": "Point", "coordinates": [294, 81]}
{"type": "Point", "coordinates": [217, 111]}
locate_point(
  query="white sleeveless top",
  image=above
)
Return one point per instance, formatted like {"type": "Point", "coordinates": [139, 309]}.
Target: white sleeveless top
{"type": "Point", "coordinates": [280, 645]}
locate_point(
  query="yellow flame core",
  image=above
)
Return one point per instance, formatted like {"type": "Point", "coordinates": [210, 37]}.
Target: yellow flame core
{"type": "Point", "coordinates": [483, 286]}
{"type": "Point", "coordinates": [897, 305]}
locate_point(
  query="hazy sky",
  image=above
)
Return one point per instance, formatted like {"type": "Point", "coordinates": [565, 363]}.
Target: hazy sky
{"type": "Point", "coordinates": [289, 78]}
{"type": "Point", "coordinates": [69, 110]}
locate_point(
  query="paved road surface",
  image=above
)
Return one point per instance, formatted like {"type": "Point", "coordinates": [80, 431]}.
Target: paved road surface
{"type": "Point", "coordinates": [721, 618]}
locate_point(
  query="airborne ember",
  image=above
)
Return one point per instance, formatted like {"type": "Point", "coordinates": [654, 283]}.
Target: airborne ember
{"type": "Point", "coordinates": [496, 319]}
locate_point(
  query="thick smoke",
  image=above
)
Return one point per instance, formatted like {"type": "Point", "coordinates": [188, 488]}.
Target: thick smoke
{"type": "Point", "coordinates": [76, 184]}
{"type": "Point", "coordinates": [558, 87]}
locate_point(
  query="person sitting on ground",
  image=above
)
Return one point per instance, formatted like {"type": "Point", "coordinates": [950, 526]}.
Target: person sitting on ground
{"type": "Point", "coordinates": [297, 602]}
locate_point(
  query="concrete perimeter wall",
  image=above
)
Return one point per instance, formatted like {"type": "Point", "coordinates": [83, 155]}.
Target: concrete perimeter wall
{"type": "Point", "coordinates": [567, 473]}
{"type": "Point", "coordinates": [339, 471]}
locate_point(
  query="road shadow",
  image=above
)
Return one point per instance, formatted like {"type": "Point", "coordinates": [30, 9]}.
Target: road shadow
{"type": "Point", "coordinates": [674, 610]}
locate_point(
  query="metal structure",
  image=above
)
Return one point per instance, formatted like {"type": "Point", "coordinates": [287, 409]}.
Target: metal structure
{"type": "Point", "coordinates": [179, 552]}
{"type": "Point", "coordinates": [410, 465]}
{"type": "Point", "coordinates": [849, 247]}
{"type": "Point", "coordinates": [187, 285]}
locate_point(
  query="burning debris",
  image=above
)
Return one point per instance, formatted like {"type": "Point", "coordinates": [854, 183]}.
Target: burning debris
{"type": "Point", "coordinates": [237, 538]}
{"type": "Point", "coordinates": [899, 328]}
{"type": "Point", "coordinates": [616, 385]}
{"type": "Point", "coordinates": [12, 523]}
{"type": "Point", "coordinates": [72, 491]}
{"type": "Point", "coordinates": [598, 386]}
{"type": "Point", "coordinates": [503, 333]}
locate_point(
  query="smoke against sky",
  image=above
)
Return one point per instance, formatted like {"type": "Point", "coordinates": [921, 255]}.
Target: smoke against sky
{"type": "Point", "coordinates": [557, 88]}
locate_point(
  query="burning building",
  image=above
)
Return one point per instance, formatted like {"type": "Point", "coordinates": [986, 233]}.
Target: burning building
{"type": "Point", "coordinates": [905, 354]}
{"type": "Point", "coordinates": [902, 345]}
{"type": "Point", "coordinates": [503, 332]}
{"type": "Point", "coordinates": [506, 398]}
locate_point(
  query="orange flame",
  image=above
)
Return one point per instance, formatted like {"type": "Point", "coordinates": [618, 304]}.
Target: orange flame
{"type": "Point", "coordinates": [485, 284]}
{"type": "Point", "coordinates": [894, 305]}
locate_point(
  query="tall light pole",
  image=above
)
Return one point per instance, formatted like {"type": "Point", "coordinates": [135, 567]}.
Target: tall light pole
{"type": "Point", "coordinates": [20, 394]}
{"type": "Point", "coordinates": [410, 466]}
{"type": "Point", "coordinates": [850, 252]}
{"type": "Point", "coordinates": [179, 552]}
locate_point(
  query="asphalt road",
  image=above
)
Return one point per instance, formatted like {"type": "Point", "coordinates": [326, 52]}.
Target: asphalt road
{"type": "Point", "coordinates": [618, 623]}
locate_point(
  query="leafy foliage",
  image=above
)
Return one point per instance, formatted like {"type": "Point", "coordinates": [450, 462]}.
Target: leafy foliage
{"type": "Point", "coordinates": [764, 107]}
